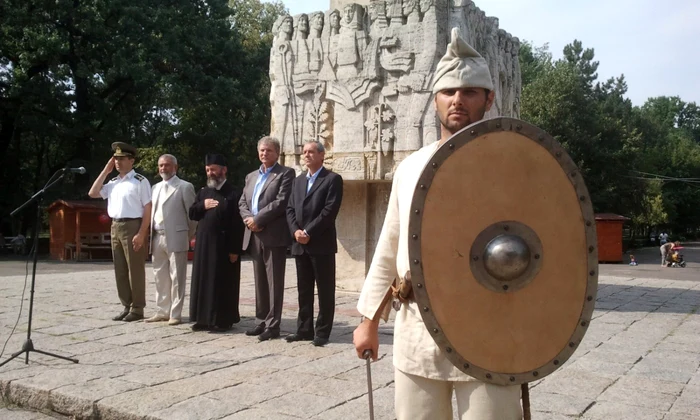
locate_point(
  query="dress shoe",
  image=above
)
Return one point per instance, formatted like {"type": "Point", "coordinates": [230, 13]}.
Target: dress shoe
{"type": "Point", "coordinates": [121, 315]}
{"type": "Point", "coordinates": [174, 321]}
{"type": "Point", "coordinates": [268, 335]}
{"type": "Point", "coordinates": [156, 318]}
{"type": "Point", "coordinates": [297, 337]}
{"type": "Point", "coordinates": [257, 330]}
{"type": "Point", "coordinates": [319, 341]}
{"type": "Point", "coordinates": [199, 327]}
{"type": "Point", "coordinates": [132, 317]}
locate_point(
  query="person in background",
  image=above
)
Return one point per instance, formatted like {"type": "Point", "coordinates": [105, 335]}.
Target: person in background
{"type": "Point", "coordinates": [170, 240]}
{"type": "Point", "coordinates": [216, 269]}
{"type": "Point", "coordinates": [128, 198]}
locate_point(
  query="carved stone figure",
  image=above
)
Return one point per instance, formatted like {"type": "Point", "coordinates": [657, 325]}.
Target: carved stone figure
{"type": "Point", "coordinates": [411, 9]}
{"type": "Point", "coordinates": [395, 13]}
{"type": "Point", "coordinates": [351, 43]}
{"type": "Point", "coordinates": [316, 49]}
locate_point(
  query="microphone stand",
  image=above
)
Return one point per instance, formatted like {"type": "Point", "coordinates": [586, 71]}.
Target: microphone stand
{"type": "Point", "coordinates": [28, 345]}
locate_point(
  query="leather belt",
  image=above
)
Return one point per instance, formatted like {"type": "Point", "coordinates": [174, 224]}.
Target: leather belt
{"type": "Point", "coordinates": [125, 219]}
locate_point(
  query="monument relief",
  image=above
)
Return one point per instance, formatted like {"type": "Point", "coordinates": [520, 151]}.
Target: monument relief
{"type": "Point", "coordinates": [358, 78]}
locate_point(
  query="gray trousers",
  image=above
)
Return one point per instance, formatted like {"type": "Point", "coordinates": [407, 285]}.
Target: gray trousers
{"type": "Point", "coordinates": [129, 265]}
{"type": "Point", "coordinates": [269, 265]}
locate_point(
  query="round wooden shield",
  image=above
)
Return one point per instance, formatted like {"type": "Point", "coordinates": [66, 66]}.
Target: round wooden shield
{"type": "Point", "coordinates": [504, 263]}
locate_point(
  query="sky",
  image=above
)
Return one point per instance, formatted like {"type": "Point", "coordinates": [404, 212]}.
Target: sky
{"type": "Point", "coordinates": [653, 43]}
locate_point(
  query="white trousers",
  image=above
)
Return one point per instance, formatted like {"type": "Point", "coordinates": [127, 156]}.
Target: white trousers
{"type": "Point", "coordinates": [170, 270]}
{"type": "Point", "coordinates": [418, 398]}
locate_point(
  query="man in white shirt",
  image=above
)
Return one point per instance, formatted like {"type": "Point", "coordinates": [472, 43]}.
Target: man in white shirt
{"type": "Point", "coordinates": [424, 378]}
{"type": "Point", "coordinates": [170, 240]}
{"type": "Point", "coordinates": [128, 198]}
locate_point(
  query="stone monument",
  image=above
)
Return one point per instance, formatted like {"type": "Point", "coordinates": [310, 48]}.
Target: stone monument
{"type": "Point", "coordinates": [358, 78]}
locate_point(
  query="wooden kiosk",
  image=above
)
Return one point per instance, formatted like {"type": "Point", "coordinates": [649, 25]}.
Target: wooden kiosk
{"type": "Point", "coordinates": [79, 230]}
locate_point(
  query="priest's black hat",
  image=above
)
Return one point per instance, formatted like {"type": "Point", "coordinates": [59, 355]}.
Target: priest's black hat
{"type": "Point", "coordinates": [215, 159]}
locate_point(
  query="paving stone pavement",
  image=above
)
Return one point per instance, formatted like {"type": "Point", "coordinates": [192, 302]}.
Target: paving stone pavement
{"type": "Point", "coordinates": [639, 360]}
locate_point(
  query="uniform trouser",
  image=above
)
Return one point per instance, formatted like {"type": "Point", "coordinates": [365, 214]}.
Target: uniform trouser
{"type": "Point", "coordinates": [418, 398]}
{"type": "Point", "coordinates": [129, 265]}
{"type": "Point", "coordinates": [170, 271]}
{"type": "Point", "coordinates": [319, 271]}
{"type": "Point", "coordinates": [269, 266]}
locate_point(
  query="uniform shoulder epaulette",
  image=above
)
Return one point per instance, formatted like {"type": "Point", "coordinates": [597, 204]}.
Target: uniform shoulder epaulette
{"type": "Point", "coordinates": [139, 177]}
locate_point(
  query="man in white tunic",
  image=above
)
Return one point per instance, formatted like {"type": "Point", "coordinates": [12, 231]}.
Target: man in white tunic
{"type": "Point", "coordinates": [424, 378]}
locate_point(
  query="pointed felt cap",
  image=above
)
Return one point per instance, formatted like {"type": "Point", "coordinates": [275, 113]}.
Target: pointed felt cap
{"type": "Point", "coordinates": [461, 67]}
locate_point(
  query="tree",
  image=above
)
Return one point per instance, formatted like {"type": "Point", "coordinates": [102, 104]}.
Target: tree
{"type": "Point", "coordinates": [185, 77]}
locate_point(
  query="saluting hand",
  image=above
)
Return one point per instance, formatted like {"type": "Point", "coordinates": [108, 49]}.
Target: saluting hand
{"type": "Point", "coordinates": [210, 203]}
{"type": "Point", "coordinates": [109, 167]}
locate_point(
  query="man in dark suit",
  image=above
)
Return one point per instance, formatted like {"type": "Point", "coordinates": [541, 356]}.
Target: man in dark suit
{"type": "Point", "coordinates": [311, 214]}
{"type": "Point", "coordinates": [262, 207]}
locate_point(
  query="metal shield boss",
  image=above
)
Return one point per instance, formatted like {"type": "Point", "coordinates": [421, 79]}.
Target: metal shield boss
{"type": "Point", "coordinates": [504, 263]}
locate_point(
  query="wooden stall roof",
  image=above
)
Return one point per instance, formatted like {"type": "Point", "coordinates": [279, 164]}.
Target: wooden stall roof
{"type": "Point", "coordinates": [611, 217]}
{"type": "Point", "coordinates": [80, 204]}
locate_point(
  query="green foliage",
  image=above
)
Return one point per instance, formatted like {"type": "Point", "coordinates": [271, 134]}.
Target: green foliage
{"type": "Point", "coordinates": [183, 77]}
{"type": "Point", "coordinates": [614, 142]}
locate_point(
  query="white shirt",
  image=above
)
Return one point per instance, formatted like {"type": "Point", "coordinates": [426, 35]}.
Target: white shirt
{"type": "Point", "coordinates": [126, 196]}
{"type": "Point", "coordinates": [159, 200]}
{"type": "Point", "coordinates": [415, 351]}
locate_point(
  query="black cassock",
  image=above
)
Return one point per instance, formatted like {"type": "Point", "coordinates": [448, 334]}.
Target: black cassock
{"type": "Point", "coordinates": [215, 280]}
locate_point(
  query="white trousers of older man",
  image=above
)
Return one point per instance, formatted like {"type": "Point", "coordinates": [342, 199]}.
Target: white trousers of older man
{"type": "Point", "coordinates": [418, 398]}
{"type": "Point", "coordinates": [170, 271]}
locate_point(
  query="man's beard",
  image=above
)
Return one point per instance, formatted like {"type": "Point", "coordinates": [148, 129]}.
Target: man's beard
{"type": "Point", "coordinates": [166, 175]}
{"type": "Point", "coordinates": [455, 126]}
{"type": "Point", "coordinates": [213, 182]}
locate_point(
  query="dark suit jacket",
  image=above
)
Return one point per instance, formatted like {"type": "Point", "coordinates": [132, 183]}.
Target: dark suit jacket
{"type": "Point", "coordinates": [271, 206]}
{"type": "Point", "coordinates": [316, 212]}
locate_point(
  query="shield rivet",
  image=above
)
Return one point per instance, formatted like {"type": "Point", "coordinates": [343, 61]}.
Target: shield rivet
{"type": "Point", "coordinates": [488, 376]}
{"type": "Point", "coordinates": [582, 198]}
{"type": "Point", "coordinates": [589, 298]}
{"type": "Point", "coordinates": [537, 256]}
{"type": "Point", "coordinates": [573, 174]}
{"type": "Point", "coordinates": [416, 262]}
{"type": "Point", "coordinates": [420, 285]}
{"type": "Point", "coordinates": [572, 344]}
{"type": "Point", "coordinates": [422, 186]}
{"type": "Point", "coordinates": [475, 258]}
{"type": "Point", "coordinates": [415, 236]}
{"type": "Point", "coordinates": [535, 373]}
{"type": "Point", "coordinates": [592, 273]}
{"type": "Point", "coordinates": [591, 249]}
{"type": "Point", "coordinates": [541, 137]}
{"type": "Point", "coordinates": [588, 224]}
{"type": "Point", "coordinates": [558, 154]}
{"type": "Point", "coordinates": [473, 132]}
{"type": "Point", "coordinates": [452, 145]}
{"type": "Point", "coordinates": [519, 127]}
{"type": "Point", "coordinates": [416, 211]}
{"type": "Point", "coordinates": [556, 362]}
{"type": "Point", "coordinates": [435, 330]}
{"type": "Point", "coordinates": [506, 227]}
{"type": "Point", "coordinates": [505, 287]}
{"type": "Point", "coordinates": [434, 165]}
{"type": "Point", "coordinates": [584, 323]}
{"type": "Point", "coordinates": [512, 378]}
{"type": "Point", "coordinates": [498, 125]}
{"type": "Point", "coordinates": [466, 366]}
{"type": "Point", "coordinates": [449, 349]}
{"type": "Point", "coordinates": [426, 309]}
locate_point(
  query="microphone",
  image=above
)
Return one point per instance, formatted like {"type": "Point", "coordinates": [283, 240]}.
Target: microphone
{"type": "Point", "coordinates": [80, 170]}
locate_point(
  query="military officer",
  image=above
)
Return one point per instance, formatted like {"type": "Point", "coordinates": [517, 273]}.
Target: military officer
{"type": "Point", "coordinates": [425, 379]}
{"type": "Point", "coordinates": [128, 198]}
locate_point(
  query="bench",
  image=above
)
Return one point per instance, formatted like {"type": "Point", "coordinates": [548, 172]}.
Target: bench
{"type": "Point", "coordinates": [89, 242]}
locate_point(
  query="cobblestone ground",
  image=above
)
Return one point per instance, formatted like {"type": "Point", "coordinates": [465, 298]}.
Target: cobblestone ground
{"type": "Point", "coordinates": [639, 359]}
